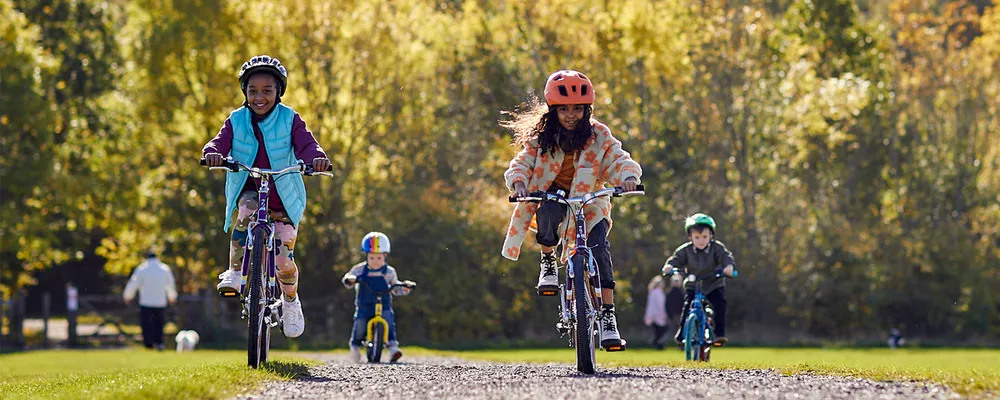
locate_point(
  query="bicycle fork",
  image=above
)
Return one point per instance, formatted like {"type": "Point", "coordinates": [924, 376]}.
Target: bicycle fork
{"type": "Point", "coordinates": [377, 319]}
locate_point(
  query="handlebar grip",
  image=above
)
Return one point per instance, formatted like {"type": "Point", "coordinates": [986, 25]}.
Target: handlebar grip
{"type": "Point", "coordinates": [640, 188]}
{"type": "Point", "coordinates": [202, 162]}
{"type": "Point", "coordinates": [513, 199]}
{"type": "Point", "coordinates": [736, 273]}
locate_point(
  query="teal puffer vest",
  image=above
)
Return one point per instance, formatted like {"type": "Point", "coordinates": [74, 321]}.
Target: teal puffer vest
{"type": "Point", "coordinates": [277, 130]}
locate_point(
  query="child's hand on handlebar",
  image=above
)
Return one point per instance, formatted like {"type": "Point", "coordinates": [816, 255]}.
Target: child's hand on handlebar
{"type": "Point", "coordinates": [520, 190]}
{"type": "Point", "coordinates": [350, 280]}
{"type": "Point", "coordinates": [214, 159]}
{"type": "Point", "coordinates": [409, 287]}
{"type": "Point", "coordinates": [630, 184]}
{"type": "Point", "coordinates": [728, 271]}
{"type": "Point", "coordinates": [321, 164]}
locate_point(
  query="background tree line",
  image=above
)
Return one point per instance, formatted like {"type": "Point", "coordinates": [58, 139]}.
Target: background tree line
{"type": "Point", "coordinates": [848, 150]}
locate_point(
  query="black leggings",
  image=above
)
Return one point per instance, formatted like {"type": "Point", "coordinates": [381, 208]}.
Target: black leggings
{"type": "Point", "coordinates": [550, 215]}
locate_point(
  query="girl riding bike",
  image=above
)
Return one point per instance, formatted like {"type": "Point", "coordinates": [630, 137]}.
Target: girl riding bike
{"type": "Point", "coordinates": [565, 148]}
{"type": "Point", "coordinates": [266, 134]}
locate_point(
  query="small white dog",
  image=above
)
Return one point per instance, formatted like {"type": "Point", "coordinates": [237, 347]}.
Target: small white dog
{"type": "Point", "coordinates": [186, 340]}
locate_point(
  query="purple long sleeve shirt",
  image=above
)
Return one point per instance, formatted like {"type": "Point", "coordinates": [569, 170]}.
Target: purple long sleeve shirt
{"type": "Point", "coordinates": [303, 143]}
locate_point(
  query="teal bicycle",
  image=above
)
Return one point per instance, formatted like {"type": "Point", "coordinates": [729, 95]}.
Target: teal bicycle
{"type": "Point", "coordinates": [699, 331]}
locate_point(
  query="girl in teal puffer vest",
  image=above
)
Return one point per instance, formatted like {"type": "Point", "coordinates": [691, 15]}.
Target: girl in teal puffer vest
{"type": "Point", "coordinates": [266, 134]}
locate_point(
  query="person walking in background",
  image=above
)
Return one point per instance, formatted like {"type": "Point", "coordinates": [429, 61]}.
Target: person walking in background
{"type": "Point", "coordinates": [674, 302]}
{"type": "Point", "coordinates": [155, 283]}
{"type": "Point", "coordinates": [656, 310]}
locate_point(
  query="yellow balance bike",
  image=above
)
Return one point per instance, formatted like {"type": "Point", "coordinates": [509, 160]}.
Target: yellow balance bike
{"type": "Point", "coordinates": [377, 332]}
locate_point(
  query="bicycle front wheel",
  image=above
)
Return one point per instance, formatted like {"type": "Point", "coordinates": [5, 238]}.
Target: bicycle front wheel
{"type": "Point", "coordinates": [584, 320]}
{"type": "Point", "coordinates": [691, 331]}
{"type": "Point", "coordinates": [256, 337]}
{"type": "Point", "coordinates": [376, 345]}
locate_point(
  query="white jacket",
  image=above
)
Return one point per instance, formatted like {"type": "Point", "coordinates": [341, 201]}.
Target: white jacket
{"type": "Point", "coordinates": [155, 283]}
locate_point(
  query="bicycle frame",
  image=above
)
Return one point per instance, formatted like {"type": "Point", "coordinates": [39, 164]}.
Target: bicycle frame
{"type": "Point", "coordinates": [263, 225]}
{"type": "Point", "coordinates": [698, 309]}
{"type": "Point", "coordinates": [376, 320]}
{"type": "Point", "coordinates": [595, 301]}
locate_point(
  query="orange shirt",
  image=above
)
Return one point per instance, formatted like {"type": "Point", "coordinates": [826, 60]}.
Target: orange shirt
{"type": "Point", "coordinates": [565, 177]}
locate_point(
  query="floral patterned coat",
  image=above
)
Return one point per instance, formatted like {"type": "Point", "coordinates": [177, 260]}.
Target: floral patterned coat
{"type": "Point", "coordinates": [602, 161]}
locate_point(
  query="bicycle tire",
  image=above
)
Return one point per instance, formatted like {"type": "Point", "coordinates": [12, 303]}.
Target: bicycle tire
{"type": "Point", "coordinates": [691, 328]}
{"type": "Point", "coordinates": [256, 289]}
{"type": "Point", "coordinates": [375, 348]}
{"type": "Point", "coordinates": [584, 325]}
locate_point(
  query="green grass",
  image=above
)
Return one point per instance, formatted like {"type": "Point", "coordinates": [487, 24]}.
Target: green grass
{"type": "Point", "coordinates": [967, 371]}
{"type": "Point", "coordinates": [136, 374]}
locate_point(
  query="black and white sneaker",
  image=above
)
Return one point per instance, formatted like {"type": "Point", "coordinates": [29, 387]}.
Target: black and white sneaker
{"type": "Point", "coordinates": [548, 277]}
{"type": "Point", "coordinates": [611, 339]}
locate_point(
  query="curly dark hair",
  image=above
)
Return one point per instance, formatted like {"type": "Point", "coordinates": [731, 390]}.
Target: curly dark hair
{"type": "Point", "coordinates": [538, 121]}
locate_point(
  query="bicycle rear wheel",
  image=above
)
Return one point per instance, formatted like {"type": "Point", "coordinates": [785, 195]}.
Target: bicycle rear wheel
{"type": "Point", "coordinates": [255, 319]}
{"type": "Point", "coordinates": [584, 321]}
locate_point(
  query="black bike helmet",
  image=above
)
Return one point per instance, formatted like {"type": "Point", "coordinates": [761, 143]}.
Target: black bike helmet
{"type": "Point", "coordinates": [264, 63]}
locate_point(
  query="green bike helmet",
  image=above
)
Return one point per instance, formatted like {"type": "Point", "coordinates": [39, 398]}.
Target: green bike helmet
{"type": "Point", "coordinates": [699, 219]}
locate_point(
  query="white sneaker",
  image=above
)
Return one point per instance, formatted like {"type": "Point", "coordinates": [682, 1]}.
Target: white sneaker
{"type": "Point", "coordinates": [292, 320]}
{"type": "Point", "coordinates": [395, 353]}
{"type": "Point", "coordinates": [355, 354]}
{"type": "Point", "coordinates": [548, 278]}
{"type": "Point", "coordinates": [609, 331]}
{"type": "Point", "coordinates": [230, 281]}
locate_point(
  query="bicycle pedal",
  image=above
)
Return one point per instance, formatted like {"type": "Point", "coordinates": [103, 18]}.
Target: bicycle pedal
{"type": "Point", "coordinates": [229, 293]}
{"type": "Point", "coordinates": [613, 347]}
{"type": "Point", "coordinates": [548, 290]}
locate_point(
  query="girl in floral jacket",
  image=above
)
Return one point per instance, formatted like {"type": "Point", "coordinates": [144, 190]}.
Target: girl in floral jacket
{"type": "Point", "coordinates": [565, 148]}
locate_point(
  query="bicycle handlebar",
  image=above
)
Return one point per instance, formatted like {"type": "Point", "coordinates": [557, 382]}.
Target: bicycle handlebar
{"type": "Point", "coordinates": [406, 284]}
{"type": "Point", "coordinates": [546, 196]}
{"type": "Point", "coordinates": [717, 274]}
{"type": "Point", "coordinates": [231, 165]}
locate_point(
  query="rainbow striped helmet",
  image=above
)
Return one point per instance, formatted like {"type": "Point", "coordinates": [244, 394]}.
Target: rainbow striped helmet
{"type": "Point", "coordinates": [375, 242]}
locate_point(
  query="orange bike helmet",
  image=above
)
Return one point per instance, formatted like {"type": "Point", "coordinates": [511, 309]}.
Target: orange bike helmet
{"type": "Point", "coordinates": [568, 87]}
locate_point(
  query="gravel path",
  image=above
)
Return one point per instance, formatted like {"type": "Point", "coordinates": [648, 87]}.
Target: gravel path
{"type": "Point", "coordinates": [448, 378]}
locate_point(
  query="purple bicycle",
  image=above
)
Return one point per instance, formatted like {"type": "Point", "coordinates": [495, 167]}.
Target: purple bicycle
{"type": "Point", "coordinates": [580, 296]}
{"type": "Point", "coordinates": [261, 298]}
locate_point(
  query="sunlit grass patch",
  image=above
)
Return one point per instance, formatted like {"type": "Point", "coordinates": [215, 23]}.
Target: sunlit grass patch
{"type": "Point", "coordinates": [137, 374]}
